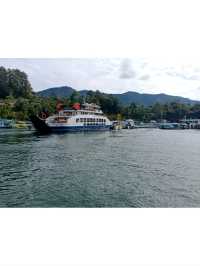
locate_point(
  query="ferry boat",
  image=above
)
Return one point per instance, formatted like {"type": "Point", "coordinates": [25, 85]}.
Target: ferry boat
{"type": "Point", "coordinates": [89, 117]}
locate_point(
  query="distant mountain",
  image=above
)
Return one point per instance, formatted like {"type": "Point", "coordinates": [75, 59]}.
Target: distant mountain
{"type": "Point", "coordinates": [64, 91]}
{"type": "Point", "coordinates": [124, 98]}
{"type": "Point", "coordinates": [150, 99]}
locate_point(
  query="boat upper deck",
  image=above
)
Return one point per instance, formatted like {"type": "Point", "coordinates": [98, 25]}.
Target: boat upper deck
{"type": "Point", "coordinates": [88, 109]}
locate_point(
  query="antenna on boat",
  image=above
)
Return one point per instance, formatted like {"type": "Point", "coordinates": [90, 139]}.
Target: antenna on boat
{"type": "Point", "coordinates": [84, 99]}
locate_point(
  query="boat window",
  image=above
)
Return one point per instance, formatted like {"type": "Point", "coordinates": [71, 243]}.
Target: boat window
{"type": "Point", "coordinates": [77, 120]}
{"type": "Point", "coordinates": [67, 113]}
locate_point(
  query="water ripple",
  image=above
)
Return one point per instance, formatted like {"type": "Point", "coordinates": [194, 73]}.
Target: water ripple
{"type": "Point", "coordinates": [132, 168]}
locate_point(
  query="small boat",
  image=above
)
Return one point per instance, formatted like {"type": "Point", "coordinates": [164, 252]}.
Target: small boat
{"type": "Point", "coordinates": [151, 124]}
{"type": "Point", "coordinates": [88, 117]}
{"type": "Point", "coordinates": [21, 125]}
{"type": "Point", "coordinates": [116, 125]}
{"type": "Point", "coordinates": [128, 124]}
{"type": "Point", "coordinates": [6, 123]}
{"type": "Point", "coordinates": [169, 126]}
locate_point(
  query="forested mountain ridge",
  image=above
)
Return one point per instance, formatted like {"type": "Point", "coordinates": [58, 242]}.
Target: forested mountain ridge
{"type": "Point", "coordinates": [124, 98]}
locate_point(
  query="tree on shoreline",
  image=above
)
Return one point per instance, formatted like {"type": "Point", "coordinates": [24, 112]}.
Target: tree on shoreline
{"type": "Point", "coordinates": [3, 83]}
{"type": "Point", "coordinates": [14, 82]}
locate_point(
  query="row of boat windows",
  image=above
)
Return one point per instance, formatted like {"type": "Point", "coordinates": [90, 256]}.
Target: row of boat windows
{"type": "Point", "coordinates": [88, 113]}
{"type": "Point", "coordinates": [91, 120]}
{"type": "Point", "coordinates": [82, 120]}
{"type": "Point", "coordinates": [78, 113]}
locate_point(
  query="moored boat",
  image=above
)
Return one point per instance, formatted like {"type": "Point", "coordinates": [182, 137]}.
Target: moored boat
{"type": "Point", "coordinates": [128, 124]}
{"type": "Point", "coordinates": [89, 117]}
{"type": "Point", "coordinates": [169, 126]}
{"type": "Point", "coordinates": [116, 125]}
{"type": "Point", "coordinates": [22, 125]}
{"type": "Point", "coordinates": [6, 123]}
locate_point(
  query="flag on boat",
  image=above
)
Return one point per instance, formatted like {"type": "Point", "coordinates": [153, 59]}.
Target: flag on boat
{"type": "Point", "coordinates": [76, 106]}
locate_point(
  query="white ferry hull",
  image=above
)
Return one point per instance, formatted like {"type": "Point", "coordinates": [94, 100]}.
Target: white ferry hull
{"type": "Point", "coordinates": [62, 129]}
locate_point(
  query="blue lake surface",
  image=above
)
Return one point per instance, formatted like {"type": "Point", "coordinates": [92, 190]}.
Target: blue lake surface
{"type": "Point", "coordinates": [130, 168]}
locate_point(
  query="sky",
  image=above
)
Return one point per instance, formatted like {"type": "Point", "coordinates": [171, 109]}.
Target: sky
{"type": "Point", "coordinates": [147, 46]}
{"type": "Point", "coordinates": [175, 76]}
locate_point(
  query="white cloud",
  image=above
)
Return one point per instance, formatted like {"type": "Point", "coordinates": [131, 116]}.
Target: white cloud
{"type": "Point", "coordinates": [144, 77]}
{"type": "Point", "coordinates": [176, 76]}
{"type": "Point", "coordinates": [126, 69]}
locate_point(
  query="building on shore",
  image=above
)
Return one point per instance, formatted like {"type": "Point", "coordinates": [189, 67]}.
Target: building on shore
{"type": "Point", "coordinates": [191, 123]}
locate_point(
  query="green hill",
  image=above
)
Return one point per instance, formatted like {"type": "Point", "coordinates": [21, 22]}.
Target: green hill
{"type": "Point", "coordinates": [125, 98]}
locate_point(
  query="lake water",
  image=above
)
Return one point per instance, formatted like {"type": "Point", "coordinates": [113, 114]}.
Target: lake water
{"type": "Point", "coordinates": [131, 168]}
